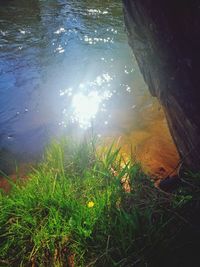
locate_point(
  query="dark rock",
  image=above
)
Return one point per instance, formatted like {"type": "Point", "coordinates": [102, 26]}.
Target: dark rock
{"type": "Point", "coordinates": [165, 38]}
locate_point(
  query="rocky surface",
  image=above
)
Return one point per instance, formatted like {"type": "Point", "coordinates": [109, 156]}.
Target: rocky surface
{"type": "Point", "coordinates": [165, 38]}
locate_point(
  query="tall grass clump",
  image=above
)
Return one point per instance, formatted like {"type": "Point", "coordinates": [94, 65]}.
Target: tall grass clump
{"type": "Point", "coordinates": [83, 208]}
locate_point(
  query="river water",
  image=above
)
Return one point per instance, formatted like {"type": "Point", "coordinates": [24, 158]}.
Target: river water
{"type": "Point", "coordinates": [66, 68]}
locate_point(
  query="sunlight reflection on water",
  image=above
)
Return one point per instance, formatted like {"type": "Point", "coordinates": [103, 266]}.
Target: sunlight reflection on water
{"type": "Point", "coordinates": [68, 63]}
{"type": "Point", "coordinates": [86, 103]}
{"type": "Point", "coordinates": [85, 108]}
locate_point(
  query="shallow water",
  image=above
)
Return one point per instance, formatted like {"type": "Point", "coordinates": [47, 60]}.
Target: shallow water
{"type": "Point", "coordinates": [66, 68]}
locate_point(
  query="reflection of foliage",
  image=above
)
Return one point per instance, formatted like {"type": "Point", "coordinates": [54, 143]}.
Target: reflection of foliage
{"type": "Point", "coordinates": [73, 210]}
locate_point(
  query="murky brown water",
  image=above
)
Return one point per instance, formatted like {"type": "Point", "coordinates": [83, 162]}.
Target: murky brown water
{"type": "Point", "coordinates": [66, 67]}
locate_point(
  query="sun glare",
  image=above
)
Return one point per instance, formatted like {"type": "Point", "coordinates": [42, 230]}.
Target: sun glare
{"type": "Point", "coordinates": [85, 108]}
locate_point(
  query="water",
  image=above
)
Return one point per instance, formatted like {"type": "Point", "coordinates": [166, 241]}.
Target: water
{"type": "Point", "coordinates": [66, 67]}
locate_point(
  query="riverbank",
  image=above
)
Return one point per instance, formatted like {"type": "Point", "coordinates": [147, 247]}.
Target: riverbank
{"type": "Point", "coordinates": [73, 210]}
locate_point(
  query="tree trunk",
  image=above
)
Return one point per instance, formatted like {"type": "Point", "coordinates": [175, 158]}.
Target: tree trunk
{"type": "Point", "coordinates": [165, 38]}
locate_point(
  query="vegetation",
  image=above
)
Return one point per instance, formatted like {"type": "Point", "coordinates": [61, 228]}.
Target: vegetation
{"type": "Point", "coordinates": [74, 210]}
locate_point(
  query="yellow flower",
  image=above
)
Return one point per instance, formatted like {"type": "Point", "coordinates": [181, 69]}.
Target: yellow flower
{"type": "Point", "coordinates": [90, 204]}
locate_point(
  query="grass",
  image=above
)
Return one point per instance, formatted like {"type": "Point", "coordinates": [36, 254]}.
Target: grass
{"type": "Point", "coordinates": [74, 211]}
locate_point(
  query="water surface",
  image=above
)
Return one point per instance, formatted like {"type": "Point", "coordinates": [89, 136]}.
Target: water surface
{"type": "Point", "coordinates": [66, 68]}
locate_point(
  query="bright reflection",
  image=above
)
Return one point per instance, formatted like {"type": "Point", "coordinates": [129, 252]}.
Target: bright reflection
{"type": "Point", "coordinates": [88, 100]}
{"type": "Point", "coordinates": [85, 108]}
